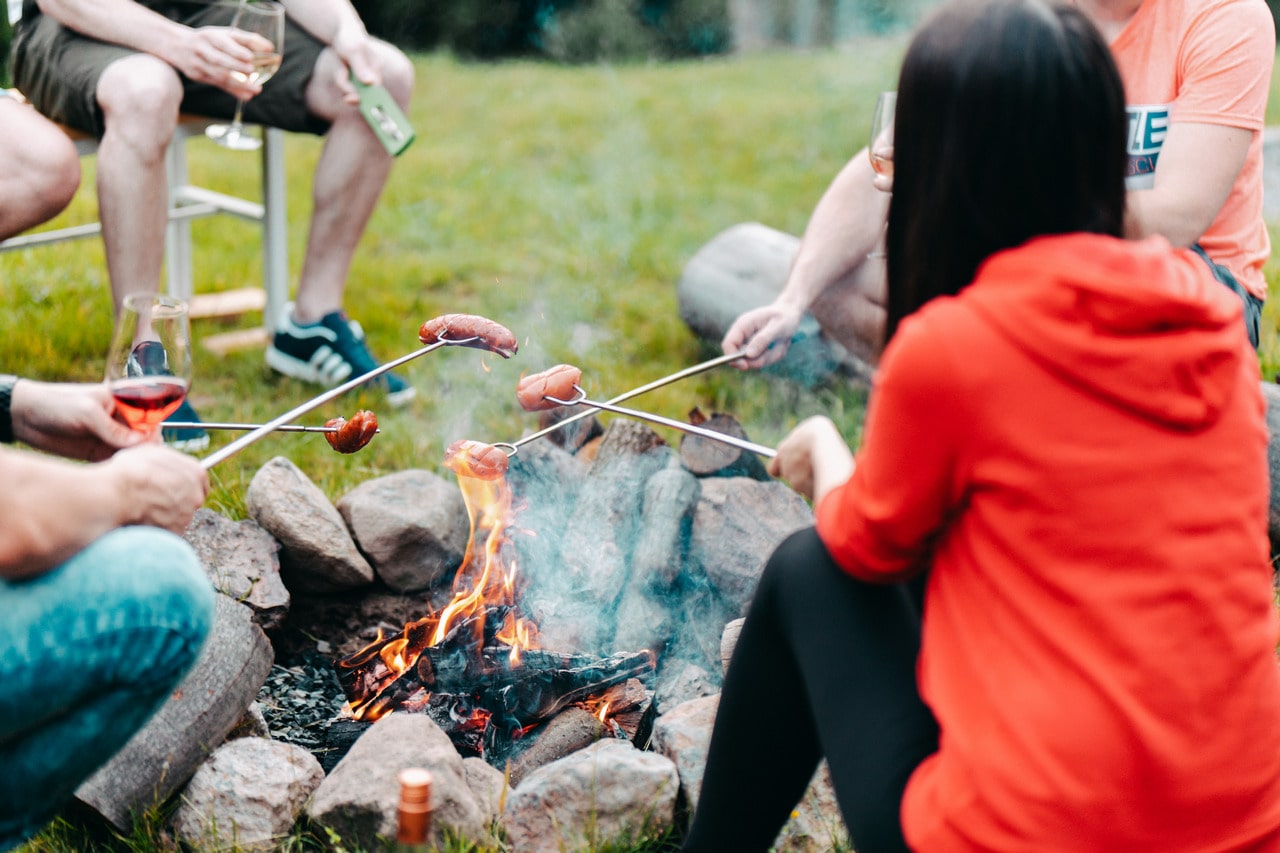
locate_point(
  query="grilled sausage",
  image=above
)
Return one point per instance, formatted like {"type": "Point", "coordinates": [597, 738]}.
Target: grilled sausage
{"type": "Point", "coordinates": [559, 381]}
{"type": "Point", "coordinates": [468, 458]}
{"type": "Point", "coordinates": [353, 434]}
{"type": "Point", "coordinates": [457, 327]}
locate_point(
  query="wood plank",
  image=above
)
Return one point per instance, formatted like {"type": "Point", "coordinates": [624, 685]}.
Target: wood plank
{"type": "Point", "coordinates": [241, 339]}
{"type": "Point", "coordinates": [228, 303]}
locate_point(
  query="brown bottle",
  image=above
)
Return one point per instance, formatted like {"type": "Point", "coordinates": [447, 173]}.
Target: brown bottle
{"type": "Point", "coordinates": [413, 822]}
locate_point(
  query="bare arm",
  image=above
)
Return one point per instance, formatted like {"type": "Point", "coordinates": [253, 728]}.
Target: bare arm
{"type": "Point", "coordinates": [814, 458]}
{"type": "Point", "coordinates": [1198, 165]}
{"type": "Point", "coordinates": [847, 224]}
{"type": "Point", "coordinates": [337, 24]}
{"type": "Point", "coordinates": [205, 55]}
{"type": "Point", "coordinates": [52, 509]}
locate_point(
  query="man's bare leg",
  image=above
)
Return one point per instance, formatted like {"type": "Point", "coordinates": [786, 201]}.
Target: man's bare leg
{"type": "Point", "coordinates": [39, 168]}
{"type": "Point", "coordinates": [349, 178]}
{"type": "Point", "coordinates": [140, 96]}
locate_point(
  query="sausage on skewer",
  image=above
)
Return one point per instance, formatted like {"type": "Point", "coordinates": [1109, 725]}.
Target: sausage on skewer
{"type": "Point", "coordinates": [559, 382]}
{"type": "Point", "coordinates": [352, 435]}
{"type": "Point", "coordinates": [476, 459]}
{"type": "Point", "coordinates": [456, 327]}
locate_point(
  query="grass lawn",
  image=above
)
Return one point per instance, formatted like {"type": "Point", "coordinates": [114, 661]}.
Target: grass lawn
{"type": "Point", "coordinates": [561, 202]}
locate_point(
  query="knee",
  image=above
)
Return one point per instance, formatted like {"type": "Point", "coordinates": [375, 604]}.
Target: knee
{"type": "Point", "coordinates": [397, 74]}
{"type": "Point", "coordinates": [52, 169]}
{"type": "Point", "coordinates": [159, 578]}
{"type": "Point", "coordinates": [140, 97]}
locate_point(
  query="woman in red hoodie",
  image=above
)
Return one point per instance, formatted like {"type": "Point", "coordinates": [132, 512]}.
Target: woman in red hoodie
{"type": "Point", "coordinates": [1038, 613]}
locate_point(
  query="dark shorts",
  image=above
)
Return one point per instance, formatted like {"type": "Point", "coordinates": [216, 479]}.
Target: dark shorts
{"type": "Point", "coordinates": [1252, 304]}
{"type": "Point", "coordinates": [58, 70]}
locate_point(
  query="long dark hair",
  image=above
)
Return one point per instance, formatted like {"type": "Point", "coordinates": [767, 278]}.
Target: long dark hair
{"type": "Point", "coordinates": [1010, 124]}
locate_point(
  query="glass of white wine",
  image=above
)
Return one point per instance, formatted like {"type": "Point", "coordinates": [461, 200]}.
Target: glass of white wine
{"type": "Point", "coordinates": [264, 18]}
{"type": "Point", "coordinates": [880, 148]}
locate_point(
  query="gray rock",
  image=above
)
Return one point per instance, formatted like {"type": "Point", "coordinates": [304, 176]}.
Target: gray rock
{"type": "Point", "coordinates": [246, 796]}
{"type": "Point", "coordinates": [488, 785]}
{"type": "Point", "coordinates": [252, 724]}
{"type": "Point", "coordinates": [412, 526]}
{"type": "Point", "coordinates": [683, 682]}
{"type": "Point", "coordinates": [736, 527]}
{"type": "Point", "coordinates": [317, 553]}
{"type": "Point", "coordinates": [358, 800]}
{"type": "Point", "coordinates": [1271, 393]}
{"type": "Point", "coordinates": [683, 735]}
{"type": "Point", "coordinates": [241, 560]}
{"type": "Point", "coordinates": [603, 792]}
{"type": "Point", "coordinates": [729, 641]}
{"type": "Point", "coordinates": [743, 267]}
{"type": "Point", "coordinates": [195, 720]}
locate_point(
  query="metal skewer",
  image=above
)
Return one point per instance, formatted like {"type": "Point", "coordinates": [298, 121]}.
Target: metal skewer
{"type": "Point", "coordinates": [271, 426]}
{"type": "Point", "coordinates": [511, 447]}
{"type": "Point", "coordinates": [221, 425]}
{"type": "Point", "coordinates": [740, 443]}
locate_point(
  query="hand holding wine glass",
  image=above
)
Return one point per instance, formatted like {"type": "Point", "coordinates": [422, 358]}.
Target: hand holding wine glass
{"type": "Point", "coordinates": [264, 18]}
{"type": "Point", "coordinates": [149, 363]}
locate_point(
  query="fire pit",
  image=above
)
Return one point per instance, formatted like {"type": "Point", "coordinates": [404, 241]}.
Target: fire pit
{"type": "Point", "coordinates": [475, 666]}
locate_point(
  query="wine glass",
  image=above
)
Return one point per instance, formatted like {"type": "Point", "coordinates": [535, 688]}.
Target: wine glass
{"type": "Point", "coordinates": [264, 18]}
{"type": "Point", "coordinates": [880, 148]}
{"type": "Point", "coordinates": [149, 363]}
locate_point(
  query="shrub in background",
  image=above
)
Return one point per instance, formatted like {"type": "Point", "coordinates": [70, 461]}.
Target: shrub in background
{"type": "Point", "coordinates": [565, 30]}
{"type": "Point", "coordinates": [6, 36]}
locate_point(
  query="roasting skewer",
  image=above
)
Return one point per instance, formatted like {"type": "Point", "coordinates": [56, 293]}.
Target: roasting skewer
{"type": "Point", "coordinates": [561, 386]}
{"type": "Point", "coordinates": [580, 398]}
{"type": "Point", "coordinates": [236, 426]}
{"type": "Point", "coordinates": [512, 447]}
{"type": "Point", "coordinates": [459, 330]}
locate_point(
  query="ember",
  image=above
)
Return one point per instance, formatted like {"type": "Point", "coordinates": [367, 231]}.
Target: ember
{"type": "Point", "coordinates": [475, 666]}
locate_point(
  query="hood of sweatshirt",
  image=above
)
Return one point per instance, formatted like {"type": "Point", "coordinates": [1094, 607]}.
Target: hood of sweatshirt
{"type": "Point", "coordinates": [1136, 323]}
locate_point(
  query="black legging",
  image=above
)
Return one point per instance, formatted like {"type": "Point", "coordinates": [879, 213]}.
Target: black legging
{"type": "Point", "coordinates": [825, 666]}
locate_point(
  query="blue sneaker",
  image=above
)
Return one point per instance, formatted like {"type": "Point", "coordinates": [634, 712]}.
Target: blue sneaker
{"type": "Point", "coordinates": [329, 353]}
{"type": "Point", "coordinates": [150, 359]}
{"type": "Point", "coordinates": [189, 439]}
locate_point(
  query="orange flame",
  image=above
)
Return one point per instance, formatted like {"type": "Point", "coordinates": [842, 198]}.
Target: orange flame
{"type": "Point", "coordinates": [486, 579]}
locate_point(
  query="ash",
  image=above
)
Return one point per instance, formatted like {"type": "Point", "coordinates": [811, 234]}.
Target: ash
{"type": "Point", "coordinates": [300, 699]}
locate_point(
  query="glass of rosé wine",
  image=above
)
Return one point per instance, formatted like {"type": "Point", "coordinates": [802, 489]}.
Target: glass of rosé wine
{"type": "Point", "coordinates": [263, 18]}
{"type": "Point", "coordinates": [149, 363]}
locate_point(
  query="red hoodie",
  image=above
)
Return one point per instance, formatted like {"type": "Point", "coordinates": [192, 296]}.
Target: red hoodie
{"type": "Point", "coordinates": [1074, 446]}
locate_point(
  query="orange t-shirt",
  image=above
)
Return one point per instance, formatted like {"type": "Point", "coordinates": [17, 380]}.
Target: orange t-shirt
{"type": "Point", "coordinates": [1206, 62]}
{"type": "Point", "coordinates": [1075, 448]}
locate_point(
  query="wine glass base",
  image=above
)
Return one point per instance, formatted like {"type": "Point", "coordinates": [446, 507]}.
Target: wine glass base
{"type": "Point", "coordinates": [233, 137]}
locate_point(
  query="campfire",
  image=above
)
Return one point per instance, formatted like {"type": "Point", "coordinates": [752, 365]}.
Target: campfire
{"type": "Point", "coordinates": [475, 665]}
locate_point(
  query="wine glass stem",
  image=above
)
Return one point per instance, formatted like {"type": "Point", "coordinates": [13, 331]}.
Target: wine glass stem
{"type": "Point", "coordinates": [237, 126]}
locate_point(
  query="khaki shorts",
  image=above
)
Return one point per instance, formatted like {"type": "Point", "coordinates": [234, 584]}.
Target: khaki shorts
{"type": "Point", "coordinates": [58, 71]}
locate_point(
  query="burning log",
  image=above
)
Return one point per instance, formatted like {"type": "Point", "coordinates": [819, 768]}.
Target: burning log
{"type": "Point", "coordinates": [705, 457]}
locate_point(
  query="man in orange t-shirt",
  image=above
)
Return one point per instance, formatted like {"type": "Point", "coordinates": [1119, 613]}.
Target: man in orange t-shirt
{"type": "Point", "coordinates": [1196, 74]}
